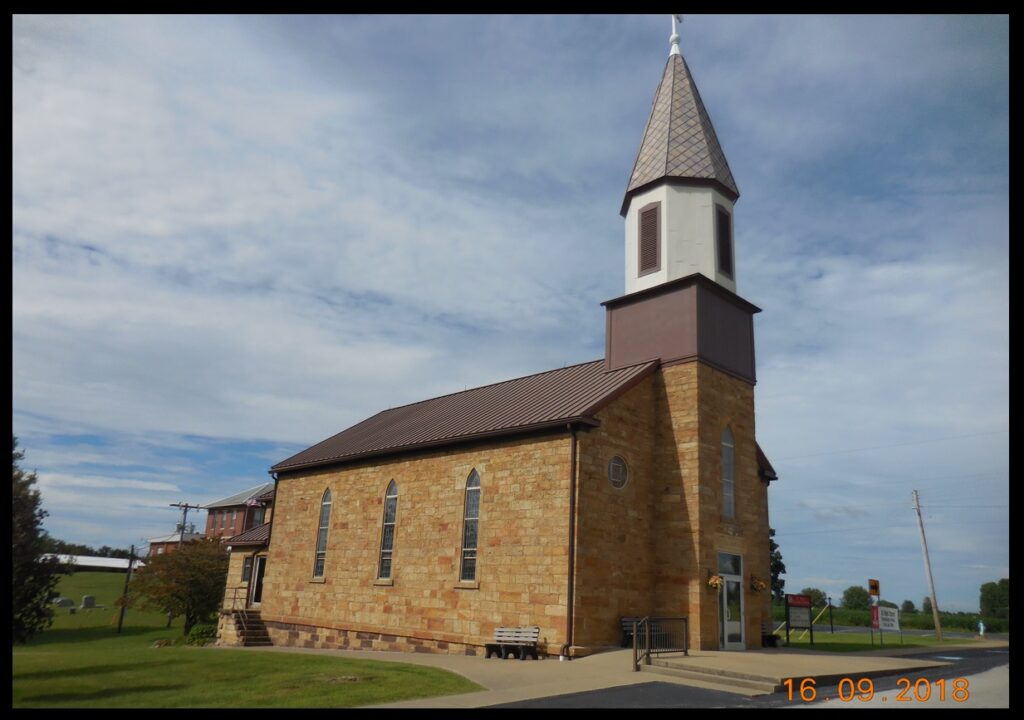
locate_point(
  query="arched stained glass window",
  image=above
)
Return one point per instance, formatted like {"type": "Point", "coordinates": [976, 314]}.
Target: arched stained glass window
{"type": "Point", "coordinates": [728, 475]}
{"type": "Point", "coordinates": [387, 538]}
{"type": "Point", "coordinates": [321, 534]}
{"type": "Point", "coordinates": [470, 527]}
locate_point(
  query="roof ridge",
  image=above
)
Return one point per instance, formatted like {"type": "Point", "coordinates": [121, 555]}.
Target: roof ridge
{"type": "Point", "coordinates": [538, 401]}
{"type": "Point", "coordinates": [481, 387]}
{"type": "Point", "coordinates": [671, 98]}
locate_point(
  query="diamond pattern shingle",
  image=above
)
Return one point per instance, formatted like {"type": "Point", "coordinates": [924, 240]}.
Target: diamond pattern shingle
{"type": "Point", "coordinates": [679, 140]}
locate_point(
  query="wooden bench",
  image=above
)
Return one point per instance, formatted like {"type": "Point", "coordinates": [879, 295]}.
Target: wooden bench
{"type": "Point", "coordinates": [518, 641]}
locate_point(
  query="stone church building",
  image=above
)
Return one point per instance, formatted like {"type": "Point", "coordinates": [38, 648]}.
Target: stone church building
{"type": "Point", "coordinates": [567, 499]}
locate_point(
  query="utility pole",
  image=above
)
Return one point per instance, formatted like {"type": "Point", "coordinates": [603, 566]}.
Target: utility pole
{"type": "Point", "coordinates": [928, 569]}
{"type": "Point", "coordinates": [124, 596]}
{"type": "Point", "coordinates": [185, 507]}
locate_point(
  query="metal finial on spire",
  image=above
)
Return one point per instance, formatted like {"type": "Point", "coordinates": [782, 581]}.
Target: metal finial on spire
{"type": "Point", "coordinates": [675, 35]}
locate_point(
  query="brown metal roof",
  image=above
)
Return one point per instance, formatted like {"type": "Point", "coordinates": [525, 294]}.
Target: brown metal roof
{"type": "Point", "coordinates": [258, 535]}
{"type": "Point", "coordinates": [535, 402]}
{"type": "Point", "coordinates": [679, 140]}
{"type": "Point", "coordinates": [764, 468]}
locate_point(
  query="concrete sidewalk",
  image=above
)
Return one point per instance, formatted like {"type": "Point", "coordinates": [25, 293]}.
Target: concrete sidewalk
{"type": "Point", "coordinates": [511, 680]}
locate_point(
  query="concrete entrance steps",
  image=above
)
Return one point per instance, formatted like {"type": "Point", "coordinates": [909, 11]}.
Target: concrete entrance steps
{"type": "Point", "coordinates": [762, 671]}
{"type": "Point", "coordinates": [251, 630]}
{"type": "Point", "coordinates": [726, 680]}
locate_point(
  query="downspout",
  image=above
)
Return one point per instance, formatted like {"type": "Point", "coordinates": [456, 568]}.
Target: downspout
{"type": "Point", "coordinates": [564, 652]}
{"type": "Point", "coordinates": [270, 532]}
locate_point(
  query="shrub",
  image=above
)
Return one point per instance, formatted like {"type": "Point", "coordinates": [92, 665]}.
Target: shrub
{"type": "Point", "coordinates": [201, 634]}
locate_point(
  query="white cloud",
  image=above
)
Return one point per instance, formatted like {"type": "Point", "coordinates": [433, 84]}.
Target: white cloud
{"type": "Point", "coordinates": [235, 236]}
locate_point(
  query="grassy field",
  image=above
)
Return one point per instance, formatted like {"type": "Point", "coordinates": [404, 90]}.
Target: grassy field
{"type": "Point", "coordinates": [857, 642]}
{"type": "Point", "coordinates": [81, 662]}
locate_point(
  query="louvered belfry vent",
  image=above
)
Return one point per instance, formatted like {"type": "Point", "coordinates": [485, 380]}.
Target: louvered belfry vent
{"type": "Point", "coordinates": [650, 235]}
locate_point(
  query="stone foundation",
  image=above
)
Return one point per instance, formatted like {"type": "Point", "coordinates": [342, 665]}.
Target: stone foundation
{"type": "Point", "coordinates": [308, 636]}
{"type": "Point", "coordinates": [227, 633]}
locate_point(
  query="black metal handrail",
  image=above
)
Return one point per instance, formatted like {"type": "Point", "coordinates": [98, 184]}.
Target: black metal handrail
{"type": "Point", "coordinates": [655, 635]}
{"type": "Point", "coordinates": [239, 615]}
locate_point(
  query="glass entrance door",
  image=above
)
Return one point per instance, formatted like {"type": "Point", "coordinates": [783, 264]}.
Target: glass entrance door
{"type": "Point", "coordinates": [257, 581]}
{"type": "Point", "coordinates": [730, 567]}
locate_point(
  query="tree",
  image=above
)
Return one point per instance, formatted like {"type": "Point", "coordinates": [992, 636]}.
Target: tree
{"type": "Point", "coordinates": [995, 599]}
{"type": "Point", "coordinates": [818, 597]}
{"type": "Point", "coordinates": [777, 566]}
{"type": "Point", "coordinates": [33, 576]}
{"type": "Point", "coordinates": [888, 604]}
{"type": "Point", "coordinates": [188, 582]}
{"type": "Point", "coordinates": [926, 606]}
{"type": "Point", "coordinates": [856, 597]}
{"type": "Point", "coordinates": [908, 607]}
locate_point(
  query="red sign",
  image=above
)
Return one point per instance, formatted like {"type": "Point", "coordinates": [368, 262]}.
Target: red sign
{"type": "Point", "coordinates": [874, 617]}
{"type": "Point", "coordinates": [799, 600]}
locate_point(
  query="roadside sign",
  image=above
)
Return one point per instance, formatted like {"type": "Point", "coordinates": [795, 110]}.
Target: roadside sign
{"type": "Point", "coordinates": [798, 615]}
{"type": "Point", "coordinates": [873, 588]}
{"type": "Point", "coordinates": [888, 619]}
{"type": "Point", "coordinates": [884, 619]}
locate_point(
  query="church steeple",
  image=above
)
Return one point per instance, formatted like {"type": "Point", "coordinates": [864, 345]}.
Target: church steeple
{"type": "Point", "coordinates": [679, 200]}
{"type": "Point", "coordinates": [679, 141]}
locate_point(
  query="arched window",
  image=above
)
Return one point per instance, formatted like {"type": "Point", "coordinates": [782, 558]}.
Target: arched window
{"type": "Point", "coordinates": [728, 476]}
{"type": "Point", "coordinates": [470, 527]}
{"type": "Point", "coordinates": [321, 534]}
{"type": "Point", "coordinates": [387, 538]}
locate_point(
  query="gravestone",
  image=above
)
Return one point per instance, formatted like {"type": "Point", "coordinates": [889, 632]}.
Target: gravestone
{"type": "Point", "coordinates": [64, 602]}
{"type": "Point", "coordinates": [88, 602]}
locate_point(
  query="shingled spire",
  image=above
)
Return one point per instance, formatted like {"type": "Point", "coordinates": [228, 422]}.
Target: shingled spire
{"type": "Point", "coordinates": [679, 142]}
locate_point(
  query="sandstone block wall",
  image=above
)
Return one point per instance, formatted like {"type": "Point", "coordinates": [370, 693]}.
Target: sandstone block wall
{"type": "Point", "coordinates": [649, 547]}
{"type": "Point", "coordinates": [521, 560]}
{"type": "Point", "coordinates": [615, 530]}
{"type": "Point", "coordinates": [728, 401]}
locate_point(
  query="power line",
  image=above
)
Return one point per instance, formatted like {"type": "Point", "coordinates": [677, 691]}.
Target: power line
{"type": "Point", "coordinates": [934, 478]}
{"type": "Point", "coordinates": [1003, 505]}
{"type": "Point", "coordinates": [882, 447]}
{"type": "Point", "coordinates": [837, 531]}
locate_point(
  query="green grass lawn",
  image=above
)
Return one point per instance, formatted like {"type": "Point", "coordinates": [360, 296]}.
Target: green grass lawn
{"type": "Point", "coordinates": [857, 642]}
{"type": "Point", "coordinates": [81, 662]}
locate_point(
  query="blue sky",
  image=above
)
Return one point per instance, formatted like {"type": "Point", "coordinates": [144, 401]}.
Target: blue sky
{"type": "Point", "coordinates": [236, 236]}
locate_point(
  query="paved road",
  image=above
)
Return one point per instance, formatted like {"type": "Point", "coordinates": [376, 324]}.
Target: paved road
{"type": "Point", "coordinates": [982, 668]}
{"type": "Point", "coordinates": [987, 689]}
